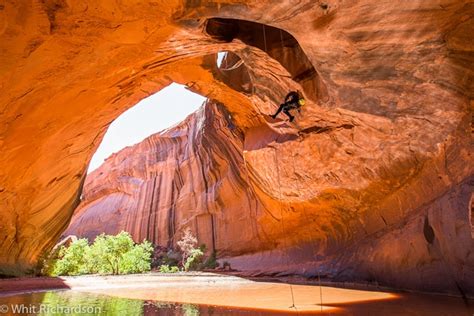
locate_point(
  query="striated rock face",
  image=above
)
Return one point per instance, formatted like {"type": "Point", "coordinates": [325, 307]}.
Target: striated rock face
{"type": "Point", "coordinates": [374, 182]}
{"type": "Point", "coordinates": [188, 176]}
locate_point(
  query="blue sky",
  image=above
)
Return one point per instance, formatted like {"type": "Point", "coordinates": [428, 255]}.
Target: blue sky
{"type": "Point", "coordinates": [220, 57]}
{"type": "Point", "coordinates": [161, 110]}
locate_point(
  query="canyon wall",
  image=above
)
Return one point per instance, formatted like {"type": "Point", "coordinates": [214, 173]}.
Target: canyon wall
{"type": "Point", "coordinates": [373, 182]}
{"type": "Point", "coordinates": [200, 175]}
{"type": "Point", "coordinates": [187, 176]}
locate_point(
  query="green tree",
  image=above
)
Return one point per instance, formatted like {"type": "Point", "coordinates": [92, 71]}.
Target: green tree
{"type": "Point", "coordinates": [108, 254]}
{"type": "Point", "coordinates": [73, 259]}
{"type": "Point", "coordinates": [138, 259]}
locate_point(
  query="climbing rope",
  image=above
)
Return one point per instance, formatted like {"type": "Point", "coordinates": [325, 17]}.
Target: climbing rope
{"type": "Point", "coordinates": [281, 215]}
{"type": "Point", "coordinates": [282, 226]}
{"type": "Point", "coordinates": [304, 213]}
{"type": "Point", "coordinates": [307, 221]}
{"type": "Point", "coordinates": [280, 193]}
{"type": "Point", "coordinates": [281, 40]}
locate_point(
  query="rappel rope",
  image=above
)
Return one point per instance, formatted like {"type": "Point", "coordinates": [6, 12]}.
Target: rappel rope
{"type": "Point", "coordinates": [279, 186]}
{"type": "Point", "coordinates": [281, 221]}
{"type": "Point", "coordinates": [281, 41]}
{"type": "Point", "coordinates": [235, 66]}
{"type": "Point", "coordinates": [280, 193]}
{"type": "Point", "coordinates": [307, 220]}
{"type": "Point", "coordinates": [264, 38]}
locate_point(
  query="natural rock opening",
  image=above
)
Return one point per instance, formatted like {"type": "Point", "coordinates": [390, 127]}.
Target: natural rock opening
{"type": "Point", "coordinates": [166, 183]}
{"type": "Point", "coordinates": [278, 44]}
{"type": "Point", "coordinates": [234, 73]}
{"type": "Point", "coordinates": [153, 114]}
{"type": "Point", "coordinates": [337, 196]}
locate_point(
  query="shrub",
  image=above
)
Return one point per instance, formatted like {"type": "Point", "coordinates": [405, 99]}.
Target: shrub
{"type": "Point", "coordinates": [108, 254]}
{"type": "Point", "coordinates": [190, 310]}
{"type": "Point", "coordinates": [167, 269]}
{"type": "Point", "coordinates": [192, 257]}
{"type": "Point", "coordinates": [194, 260]}
{"type": "Point", "coordinates": [211, 262]}
{"type": "Point", "coordinates": [187, 244]}
{"type": "Point", "coordinates": [73, 259]}
{"type": "Point", "coordinates": [47, 262]}
{"type": "Point", "coordinates": [138, 259]}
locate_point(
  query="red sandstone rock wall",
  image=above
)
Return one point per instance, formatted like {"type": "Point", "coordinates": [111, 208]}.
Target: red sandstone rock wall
{"type": "Point", "coordinates": [188, 176]}
{"type": "Point", "coordinates": [376, 185]}
{"type": "Point", "coordinates": [194, 175]}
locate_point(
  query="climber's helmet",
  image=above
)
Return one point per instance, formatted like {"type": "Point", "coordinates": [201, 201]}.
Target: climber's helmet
{"type": "Point", "coordinates": [301, 100]}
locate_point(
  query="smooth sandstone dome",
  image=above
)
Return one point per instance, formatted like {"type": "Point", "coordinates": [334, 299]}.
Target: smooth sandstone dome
{"type": "Point", "coordinates": [373, 184]}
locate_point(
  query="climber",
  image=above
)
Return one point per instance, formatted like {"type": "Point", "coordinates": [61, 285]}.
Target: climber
{"type": "Point", "coordinates": [293, 100]}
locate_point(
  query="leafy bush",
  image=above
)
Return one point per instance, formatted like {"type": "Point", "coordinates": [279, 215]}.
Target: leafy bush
{"type": "Point", "coordinates": [190, 310]}
{"type": "Point", "coordinates": [138, 259]}
{"type": "Point", "coordinates": [194, 260]}
{"type": "Point", "coordinates": [187, 244]}
{"type": "Point", "coordinates": [73, 259]}
{"type": "Point", "coordinates": [211, 262]}
{"type": "Point", "coordinates": [167, 269]}
{"type": "Point", "coordinates": [192, 257]}
{"type": "Point", "coordinates": [108, 254]}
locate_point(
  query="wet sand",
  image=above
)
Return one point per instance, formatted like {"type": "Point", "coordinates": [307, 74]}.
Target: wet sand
{"type": "Point", "coordinates": [233, 291]}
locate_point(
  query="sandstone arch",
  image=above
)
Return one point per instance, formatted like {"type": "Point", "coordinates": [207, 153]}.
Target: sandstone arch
{"type": "Point", "coordinates": [403, 80]}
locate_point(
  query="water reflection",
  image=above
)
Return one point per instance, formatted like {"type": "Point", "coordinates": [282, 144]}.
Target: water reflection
{"type": "Point", "coordinates": [139, 301]}
{"type": "Point", "coordinates": [69, 302]}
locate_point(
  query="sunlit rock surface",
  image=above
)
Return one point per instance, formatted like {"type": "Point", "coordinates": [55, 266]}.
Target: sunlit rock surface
{"type": "Point", "coordinates": [187, 176]}
{"type": "Point", "coordinates": [372, 183]}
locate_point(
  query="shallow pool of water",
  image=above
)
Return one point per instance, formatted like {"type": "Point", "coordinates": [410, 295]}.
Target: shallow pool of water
{"type": "Point", "coordinates": [74, 302]}
{"type": "Point", "coordinates": [69, 302]}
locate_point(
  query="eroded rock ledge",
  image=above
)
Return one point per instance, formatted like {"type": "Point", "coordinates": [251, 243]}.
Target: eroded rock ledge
{"type": "Point", "coordinates": [376, 185]}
